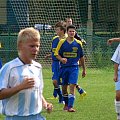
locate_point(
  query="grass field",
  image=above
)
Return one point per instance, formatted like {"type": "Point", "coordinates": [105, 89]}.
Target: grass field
{"type": "Point", "coordinates": [97, 105]}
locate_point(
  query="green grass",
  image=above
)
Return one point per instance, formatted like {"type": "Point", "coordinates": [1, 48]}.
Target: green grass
{"type": "Point", "coordinates": [97, 105]}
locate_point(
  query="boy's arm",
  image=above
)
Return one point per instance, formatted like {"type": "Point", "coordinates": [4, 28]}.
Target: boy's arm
{"type": "Point", "coordinates": [82, 63]}
{"type": "Point", "coordinates": [46, 105]}
{"type": "Point", "coordinates": [110, 41]}
{"type": "Point", "coordinates": [63, 60]}
{"type": "Point", "coordinates": [116, 72]}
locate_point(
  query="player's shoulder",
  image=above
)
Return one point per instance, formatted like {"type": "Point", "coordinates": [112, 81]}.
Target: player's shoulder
{"type": "Point", "coordinates": [55, 37]}
{"type": "Point", "coordinates": [37, 64]}
{"type": "Point", "coordinates": [12, 64]}
{"type": "Point", "coordinates": [78, 41]}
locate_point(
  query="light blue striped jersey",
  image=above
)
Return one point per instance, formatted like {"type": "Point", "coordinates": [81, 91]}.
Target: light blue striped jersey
{"type": "Point", "coordinates": [28, 101]}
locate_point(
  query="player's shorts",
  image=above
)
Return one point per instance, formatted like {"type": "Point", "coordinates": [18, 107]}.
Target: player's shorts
{"type": "Point", "coordinates": [69, 75]}
{"type": "Point", "coordinates": [117, 84]}
{"type": "Point", "coordinates": [55, 70]}
{"type": "Point", "coordinates": [31, 117]}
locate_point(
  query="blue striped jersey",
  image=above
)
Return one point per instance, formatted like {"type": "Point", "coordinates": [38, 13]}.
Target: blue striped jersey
{"type": "Point", "coordinates": [27, 101]}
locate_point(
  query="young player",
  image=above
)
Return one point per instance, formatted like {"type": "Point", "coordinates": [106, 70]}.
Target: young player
{"type": "Point", "coordinates": [69, 22]}
{"type": "Point", "coordinates": [69, 51]}
{"type": "Point", "coordinates": [60, 31]}
{"type": "Point", "coordinates": [116, 59]}
{"type": "Point", "coordinates": [21, 81]}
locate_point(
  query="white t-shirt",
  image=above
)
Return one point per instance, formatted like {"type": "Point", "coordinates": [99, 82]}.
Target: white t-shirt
{"type": "Point", "coordinates": [28, 101]}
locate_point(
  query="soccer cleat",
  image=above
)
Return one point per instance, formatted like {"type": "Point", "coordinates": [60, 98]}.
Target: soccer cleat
{"type": "Point", "coordinates": [83, 94]}
{"type": "Point", "coordinates": [71, 110]}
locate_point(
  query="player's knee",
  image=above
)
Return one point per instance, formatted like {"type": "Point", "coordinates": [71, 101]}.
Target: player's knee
{"type": "Point", "coordinates": [117, 98]}
{"type": "Point", "coordinates": [55, 83]}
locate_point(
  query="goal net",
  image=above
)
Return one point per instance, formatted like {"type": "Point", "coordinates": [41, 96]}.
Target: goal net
{"type": "Point", "coordinates": [96, 21]}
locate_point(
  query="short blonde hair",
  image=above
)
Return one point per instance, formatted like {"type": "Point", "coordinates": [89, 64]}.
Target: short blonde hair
{"type": "Point", "coordinates": [28, 34]}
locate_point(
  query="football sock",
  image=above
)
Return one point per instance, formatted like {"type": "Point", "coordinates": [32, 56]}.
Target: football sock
{"type": "Point", "coordinates": [65, 98]}
{"type": "Point", "coordinates": [60, 94]}
{"type": "Point", "coordinates": [55, 92]}
{"type": "Point", "coordinates": [80, 90]}
{"type": "Point", "coordinates": [117, 107]}
{"type": "Point", "coordinates": [71, 99]}
{"type": "Point", "coordinates": [58, 91]}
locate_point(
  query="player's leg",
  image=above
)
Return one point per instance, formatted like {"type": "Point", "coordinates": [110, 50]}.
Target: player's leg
{"type": "Point", "coordinates": [81, 91]}
{"type": "Point", "coordinates": [117, 100]}
{"type": "Point", "coordinates": [57, 90]}
{"type": "Point", "coordinates": [73, 78]}
{"type": "Point", "coordinates": [55, 77]}
{"type": "Point", "coordinates": [117, 104]}
{"type": "Point", "coordinates": [71, 98]}
{"type": "Point", "coordinates": [65, 96]}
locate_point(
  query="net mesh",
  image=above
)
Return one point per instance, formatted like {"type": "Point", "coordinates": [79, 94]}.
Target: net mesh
{"type": "Point", "coordinates": [96, 21]}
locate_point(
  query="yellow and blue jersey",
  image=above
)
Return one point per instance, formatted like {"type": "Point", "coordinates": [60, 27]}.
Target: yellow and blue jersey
{"type": "Point", "coordinates": [72, 51]}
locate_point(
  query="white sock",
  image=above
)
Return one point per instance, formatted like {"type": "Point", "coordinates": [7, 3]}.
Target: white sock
{"type": "Point", "coordinates": [117, 107]}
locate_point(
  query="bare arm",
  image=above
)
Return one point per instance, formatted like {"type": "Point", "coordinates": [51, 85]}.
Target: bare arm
{"type": "Point", "coordinates": [8, 92]}
{"type": "Point", "coordinates": [116, 72]}
{"type": "Point", "coordinates": [48, 56]}
{"type": "Point", "coordinates": [110, 41]}
{"type": "Point", "coordinates": [82, 63]}
{"type": "Point", "coordinates": [46, 105]}
{"type": "Point", "coordinates": [63, 60]}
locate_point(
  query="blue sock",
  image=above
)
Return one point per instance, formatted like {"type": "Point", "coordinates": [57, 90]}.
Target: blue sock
{"type": "Point", "coordinates": [55, 92]}
{"type": "Point", "coordinates": [80, 90]}
{"type": "Point", "coordinates": [65, 98]}
{"type": "Point", "coordinates": [71, 99]}
{"type": "Point", "coordinates": [60, 94]}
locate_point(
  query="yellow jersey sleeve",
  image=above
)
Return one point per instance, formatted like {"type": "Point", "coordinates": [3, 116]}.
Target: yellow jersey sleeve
{"type": "Point", "coordinates": [59, 46]}
{"type": "Point", "coordinates": [78, 41]}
